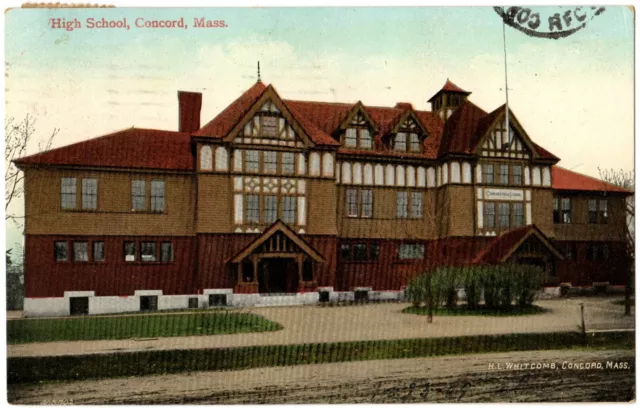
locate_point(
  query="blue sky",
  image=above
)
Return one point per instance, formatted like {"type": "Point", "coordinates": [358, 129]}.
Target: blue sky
{"type": "Point", "coordinates": [574, 96]}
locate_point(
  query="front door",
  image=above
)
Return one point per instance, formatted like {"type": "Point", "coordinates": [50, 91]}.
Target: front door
{"type": "Point", "coordinates": [278, 275]}
{"type": "Point", "coordinates": [78, 306]}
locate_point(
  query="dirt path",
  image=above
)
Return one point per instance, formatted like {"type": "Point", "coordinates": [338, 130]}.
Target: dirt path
{"type": "Point", "coordinates": [313, 324]}
{"type": "Point", "coordinates": [452, 379]}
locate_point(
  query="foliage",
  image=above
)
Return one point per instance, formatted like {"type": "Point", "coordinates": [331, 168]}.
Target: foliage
{"type": "Point", "coordinates": [15, 287]}
{"type": "Point", "coordinates": [136, 326]}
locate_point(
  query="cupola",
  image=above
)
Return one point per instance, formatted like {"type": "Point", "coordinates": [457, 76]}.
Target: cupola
{"type": "Point", "coordinates": [447, 99]}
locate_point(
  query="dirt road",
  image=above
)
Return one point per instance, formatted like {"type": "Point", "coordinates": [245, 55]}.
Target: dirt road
{"type": "Point", "coordinates": [453, 379]}
{"type": "Point", "coordinates": [313, 324]}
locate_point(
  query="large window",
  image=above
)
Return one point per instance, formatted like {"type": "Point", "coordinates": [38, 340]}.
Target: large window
{"type": "Point", "coordinates": [157, 196]}
{"type": "Point", "coordinates": [358, 137]}
{"type": "Point", "coordinates": [503, 215]}
{"type": "Point", "coordinates": [416, 204]}
{"type": "Point", "coordinates": [270, 209]}
{"type": "Point", "coordinates": [359, 203]}
{"type": "Point", "coordinates": [89, 194]}
{"type": "Point", "coordinates": [289, 209]}
{"type": "Point", "coordinates": [597, 252]}
{"type": "Point", "coordinates": [360, 251]}
{"type": "Point", "coordinates": [561, 210]}
{"type": "Point", "coordinates": [139, 195]}
{"type": "Point", "coordinates": [253, 208]}
{"type": "Point", "coordinates": [407, 141]}
{"type": "Point", "coordinates": [598, 211]}
{"type": "Point", "coordinates": [68, 193]}
{"type": "Point", "coordinates": [410, 251]}
{"type": "Point", "coordinates": [148, 252]}
{"type": "Point", "coordinates": [487, 174]}
{"type": "Point", "coordinates": [81, 251]}
{"type": "Point", "coordinates": [402, 203]}
{"type": "Point", "coordinates": [61, 251]}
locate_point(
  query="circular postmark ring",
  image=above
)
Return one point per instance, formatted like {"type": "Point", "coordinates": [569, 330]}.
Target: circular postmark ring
{"type": "Point", "coordinates": [558, 25]}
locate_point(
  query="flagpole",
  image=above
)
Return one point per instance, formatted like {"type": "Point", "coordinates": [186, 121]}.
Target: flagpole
{"type": "Point", "coordinates": [506, 83]}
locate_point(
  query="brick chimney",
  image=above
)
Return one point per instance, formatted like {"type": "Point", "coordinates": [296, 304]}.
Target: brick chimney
{"type": "Point", "coordinates": [190, 104]}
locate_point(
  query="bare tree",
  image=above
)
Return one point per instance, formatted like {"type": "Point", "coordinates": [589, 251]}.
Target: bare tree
{"type": "Point", "coordinates": [626, 180]}
{"type": "Point", "coordinates": [18, 137]}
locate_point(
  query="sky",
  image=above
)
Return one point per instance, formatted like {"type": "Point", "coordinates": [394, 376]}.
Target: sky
{"type": "Point", "coordinates": [574, 96]}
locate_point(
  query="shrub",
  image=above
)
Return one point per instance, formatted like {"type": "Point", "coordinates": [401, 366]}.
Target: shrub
{"type": "Point", "coordinates": [416, 290]}
{"type": "Point", "coordinates": [445, 285]}
{"type": "Point", "coordinates": [527, 280]}
{"type": "Point", "coordinates": [472, 286]}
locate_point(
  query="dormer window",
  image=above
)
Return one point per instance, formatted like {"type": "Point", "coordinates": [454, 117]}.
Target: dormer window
{"type": "Point", "coordinates": [358, 137]}
{"type": "Point", "coordinates": [268, 123]}
{"type": "Point", "coordinates": [404, 142]}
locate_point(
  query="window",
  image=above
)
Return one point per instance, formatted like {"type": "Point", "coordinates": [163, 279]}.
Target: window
{"type": "Point", "coordinates": [598, 213]}
{"type": "Point", "coordinates": [517, 175]}
{"type": "Point", "coordinates": [68, 193]}
{"type": "Point", "coordinates": [352, 203]}
{"type": "Point", "coordinates": [270, 162]}
{"type": "Point", "coordinates": [410, 251]}
{"type": "Point", "coordinates": [289, 209]}
{"type": "Point", "coordinates": [81, 251]}
{"type": "Point", "coordinates": [269, 126]}
{"type": "Point", "coordinates": [270, 209]}
{"type": "Point", "coordinates": [489, 215]}
{"type": "Point", "coordinates": [359, 252]}
{"type": "Point", "coordinates": [402, 202]}
{"type": "Point", "coordinates": [504, 174]}
{"type": "Point", "coordinates": [518, 214]}
{"type": "Point", "coordinates": [287, 163]}
{"type": "Point", "coordinates": [166, 252]}
{"type": "Point", "coordinates": [351, 137]}
{"type": "Point", "coordinates": [157, 196]}
{"type": "Point", "coordinates": [365, 139]}
{"type": "Point", "coordinates": [358, 137]}
{"type": "Point", "coordinates": [253, 208]}
{"type": "Point", "coordinates": [400, 142]}
{"type": "Point", "coordinates": [597, 252]}
{"type": "Point", "coordinates": [345, 252]}
{"type": "Point", "coordinates": [89, 194]}
{"type": "Point", "coordinates": [138, 195]}
{"type": "Point", "coordinates": [98, 251]}
{"type": "Point", "coordinates": [60, 250]}
{"type": "Point", "coordinates": [503, 220]}
{"type": "Point", "coordinates": [374, 252]}
{"type": "Point", "coordinates": [416, 204]}
{"type": "Point", "coordinates": [414, 141]}
{"type": "Point", "coordinates": [252, 160]}
{"type": "Point", "coordinates": [129, 251]}
{"type": "Point", "coordinates": [569, 251]}
{"type": "Point", "coordinates": [487, 174]}
{"type": "Point", "coordinates": [561, 210]}
{"type": "Point", "coordinates": [148, 251]}
{"type": "Point", "coordinates": [367, 203]}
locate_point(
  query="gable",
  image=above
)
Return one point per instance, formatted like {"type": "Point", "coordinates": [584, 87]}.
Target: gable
{"type": "Point", "coordinates": [497, 142]}
{"type": "Point", "coordinates": [359, 117]}
{"type": "Point", "coordinates": [408, 123]}
{"type": "Point", "coordinates": [269, 122]}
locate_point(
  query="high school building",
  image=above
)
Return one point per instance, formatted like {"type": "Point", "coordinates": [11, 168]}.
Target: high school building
{"type": "Point", "coordinates": [278, 201]}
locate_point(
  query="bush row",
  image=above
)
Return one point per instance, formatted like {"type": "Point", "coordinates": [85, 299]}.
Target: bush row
{"type": "Point", "coordinates": [501, 286]}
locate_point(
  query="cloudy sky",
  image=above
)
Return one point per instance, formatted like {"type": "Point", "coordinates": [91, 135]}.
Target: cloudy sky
{"type": "Point", "coordinates": [574, 96]}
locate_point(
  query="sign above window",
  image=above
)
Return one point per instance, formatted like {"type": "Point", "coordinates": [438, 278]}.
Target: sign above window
{"type": "Point", "coordinates": [503, 194]}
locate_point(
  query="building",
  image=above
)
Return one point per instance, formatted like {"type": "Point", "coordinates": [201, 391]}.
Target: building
{"type": "Point", "coordinates": [286, 202]}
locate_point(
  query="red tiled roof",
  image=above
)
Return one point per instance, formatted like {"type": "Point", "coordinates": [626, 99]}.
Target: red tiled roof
{"type": "Point", "coordinates": [460, 129]}
{"type": "Point", "coordinates": [501, 245]}
{"type": "Point", "coordinates": [129, 148]}
{"type": "Point", "coordinates": [449, 87]}
{"type": "Point", "coordinates": [563, 179]}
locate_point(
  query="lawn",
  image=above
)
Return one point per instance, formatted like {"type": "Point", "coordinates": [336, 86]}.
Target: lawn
{"type": "Point", "coordinates": [135, 326]}
{"type": "Point", "coordinates": [479, 311]}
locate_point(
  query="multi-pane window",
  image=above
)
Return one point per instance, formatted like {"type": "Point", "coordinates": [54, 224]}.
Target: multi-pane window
{"type": "Point", "coordinates": [166, 252]}
{"type": "Point", "coordinates": [518, 214]}
{"type": "Point", "coordinates": [157, 196]}
{"type": "Point", "coordinates": [410, 251]}
{"type": "Point", "coordinates": [252, 160]}
{"type": "Point", "coordinates": [269, 126]}
{"type": "Point", "coordinates": [414, 142]}
{"type": "Point", "coordinates": [148, 251]}
{"type": "Point", "coordinates": [504, 174]}
{"type": "Point", "coordinates": [287, 163]}
{"type": "Point", "coordinates": [487, 174]}
{"type": "Point", "coordinates": [416, 204]}
{"type": "Point", "coordinates": [490, 215]}
{"type": "Point", "coordinates": [98, 251]}
{"type": "Point", "coordinates": [516, 175]}
{"type": "Point", "coordinates": [270, 162]}
{"type": "Point", "coordinates": [253, 208]}
{"type": "Point", "coordinates": [400, 142]}
{"type": "Point", "coordinates": [68, 193]}
{"type": "Point", "coordinates": [81, 251]}
{"type": "Point", "coordinates": [359, 252]}
{"type": "Point", "coordinates": [89, 194]}
{"type": "Point", "coordinates": [352, 203]}
{"type": "Point", "coordinates": [358, 137]}
{"type": "Point", "coordinates": [597, 252]}
{"type": "Point", "coordinates": [366, 203]}
{"type": "Point", "coordinates": [61, 250]}
{"type": "Point", "coordinates": [503, 215]}
{"type": "Point", "coordinates": [561, 210]}
{"type": "Point", "coordinates": [359, 203]}
{"type": "Point", "coordinates": [270, 209]}
{"type": "Point", "coordinates": [402, 203]}
{"type": "Point", "coordinates": [139, 195]}
{"type": "Point", "coordinates": [598, 211]}
{"type": "Point", "coordinates": [351, 137]}
{"type": "Point", "coordinates": [289, 209]}
{"type": "Point", "coordinates": [129, 251]}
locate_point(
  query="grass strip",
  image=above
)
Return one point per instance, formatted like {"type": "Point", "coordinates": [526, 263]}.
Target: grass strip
{"type": "Point", "coordinates": [479, 311]}
{"type": "Point", "coordinates": [140, 363]}
{"type": "Point", "coordinates": [138, 326]}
